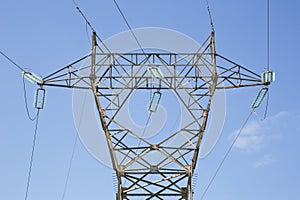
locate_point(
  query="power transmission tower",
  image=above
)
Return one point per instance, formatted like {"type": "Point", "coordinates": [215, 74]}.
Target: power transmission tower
{"type": "Point", "coordinates": [113, 77]}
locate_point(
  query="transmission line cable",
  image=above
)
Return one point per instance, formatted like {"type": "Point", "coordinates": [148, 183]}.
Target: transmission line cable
{"type": "Point", "coordinates": [267, 103]}
{"type": "Point", "coordinates": [11, 61]}
{"type": "Point", "coordinates": [26, 102]}
{"type": "Point", "coordinates": [128, 25]}
{"type": "Point", "coordinates": [36, 118]}
{"type": "Point", "coordinates": [145, 127]}
{"type": "Point", "coordinates": [143, 51]}
{"type": "Point", "coordinates": [87, 34]}
{"type": "Point", "coordinates": [90, 25]}
{"type": "Point", "coordinates": [24, 86]}
{"type": "Point", "coordinates": [83, 15]}
{"type": "Point", "coordinates": [268, 35]}
{"type": "Point", "coordinates": [226, 155]}
{"type": "Point", "coordinates": [70, 167]}
{"type": "Point", "coordinates": [210, 16]}
{"type": "Point", "coordinates": [32, 154]}
{"type": "Point", "coordinates": [140, 140]}
{"type": "Point", "coordinates": [73, 151]}
{"type": "Point", "coordinates": [267, 54]}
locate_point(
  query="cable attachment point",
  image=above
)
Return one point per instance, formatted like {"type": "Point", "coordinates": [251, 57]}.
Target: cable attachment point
{"type": "Point", "coordinates": [267, 77]}
{"type": "Point", "coordinates": [32, 77]}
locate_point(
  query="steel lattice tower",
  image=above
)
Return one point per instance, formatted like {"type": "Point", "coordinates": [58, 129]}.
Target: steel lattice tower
{"type": "Point", "coordinates": [113, 77]}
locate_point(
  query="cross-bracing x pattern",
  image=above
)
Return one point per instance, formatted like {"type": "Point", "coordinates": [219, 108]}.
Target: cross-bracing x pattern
{"type": "Point", "coordinates": [145, 167]}
{"type": "Point", "coordinates": [165, 168]}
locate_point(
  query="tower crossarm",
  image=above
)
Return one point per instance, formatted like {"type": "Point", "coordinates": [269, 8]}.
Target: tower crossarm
{"type": "Point", "coordinates": [232, 75]}
{"type": "Point", "coordinates": [191, 69]}
{"type": "Point", "coordinates": [163, 167]}
{"type": "Point", "coordinates": [73, 75]}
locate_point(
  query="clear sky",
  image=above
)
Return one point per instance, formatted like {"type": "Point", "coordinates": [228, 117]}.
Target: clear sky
{"type": "Point", "coordinates": [47, 35]}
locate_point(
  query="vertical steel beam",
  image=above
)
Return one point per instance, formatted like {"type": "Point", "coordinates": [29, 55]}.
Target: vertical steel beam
{"type": "Point", "coordinates": [101, 112]}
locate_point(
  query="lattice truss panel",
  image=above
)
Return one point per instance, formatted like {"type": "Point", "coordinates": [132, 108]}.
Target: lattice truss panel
{"type": "Point", "coordinates": [147, 169]}
{"type": "Point", "coordinates": [141, 162]}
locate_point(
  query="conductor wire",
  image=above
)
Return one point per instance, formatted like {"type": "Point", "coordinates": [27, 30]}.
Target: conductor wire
{"type": "Point", "coordinates": [268, 35]}
{"type": "Point", "coordinates": [128, 25]}
{"type": "Point", "coordinates": [268, 54]}
{"type": "Point", "coordinates": [226, 155]}
{"type": "Point", "coordinates": [90, 25]}
{"type": "Point", "coordinates": [210, 17]}
{"type": "Point", "coordinates": [11, 61]}
{"type": "Point", "coordinates": [32, 155]}
{"type": "Point", "coordinates": [26, 102]}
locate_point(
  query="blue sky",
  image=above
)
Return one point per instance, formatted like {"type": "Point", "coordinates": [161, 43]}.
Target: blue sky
{"type": "Point", "coordinates": [45, 36]}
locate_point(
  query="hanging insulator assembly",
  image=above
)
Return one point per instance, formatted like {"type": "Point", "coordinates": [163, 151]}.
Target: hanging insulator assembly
{"type": "Point", "coordinates": [155, 72]}
{"type": "Point", "coordinates": [259, 97]}
{"type": "Point", "coordinates": [155, 100]}
{"type": "Point", "coordinates": [40, 96]}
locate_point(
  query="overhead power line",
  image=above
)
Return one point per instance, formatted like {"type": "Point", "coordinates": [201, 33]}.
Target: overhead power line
{"type": "Point", "coordinates": [268, 35]}
{"type": "Point", "coordinates": [210, 16]}
{"type": "Point", "coordinates": [90, 25]}
{"type": "Point", "coordinates": [26, 102]}
{"type": "Point", "coordinates": [128, 25]}
{"type": "Point", "coordinates": [226, 155]}
{"type": "Point", "coordinates": [36, 118]}
{"type": "Point", "coordinates": [70, 167]}
{"type": "Point", "coordinates": [73, 151]}
{"type": "Point", "coordinates": [268, 54]}
{"type": "Point", "coordinates": [32, 154]}
{"type": "Point", "coordinates": [24, 86]}
{"type": "Point", "coordinates": [11, 61]}
{"type": "Point", "coordinates": [267, 101]}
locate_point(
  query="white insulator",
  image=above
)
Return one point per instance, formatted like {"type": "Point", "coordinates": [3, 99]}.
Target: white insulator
{"type": "Point", "coordinates": [268, 77]}
{"type": "Point", "coordinates": [40, 98]}
{"type": "Point", "coordinates": [154, 103]}
{"type": "Point", "coordinates": [32, 77]}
